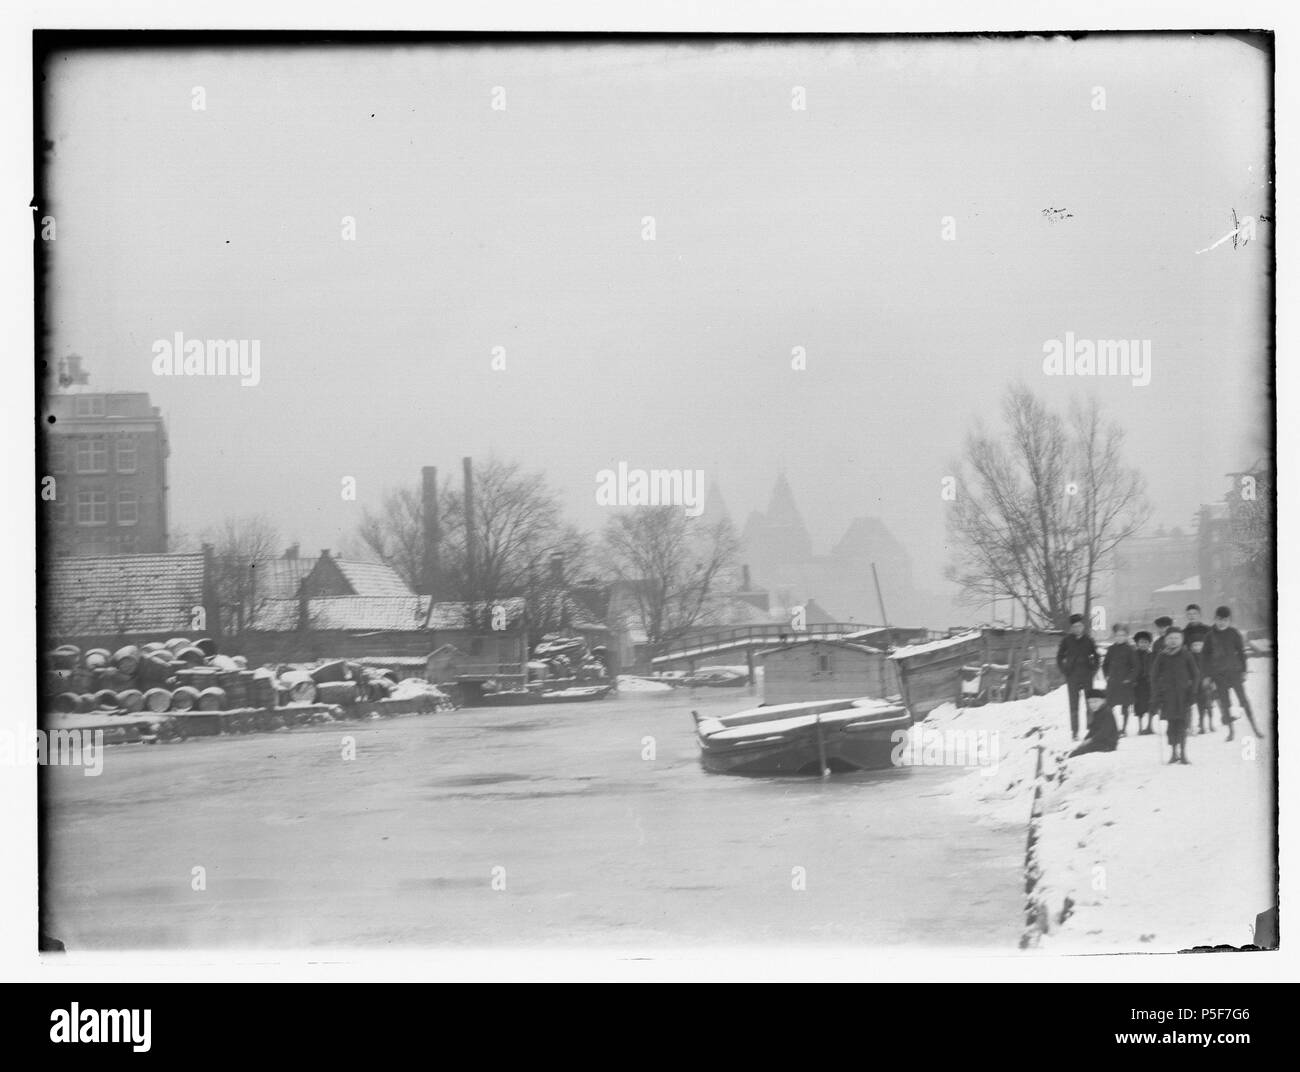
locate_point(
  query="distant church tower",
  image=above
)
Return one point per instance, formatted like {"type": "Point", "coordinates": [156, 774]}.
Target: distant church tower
{"type": "Point", "coordinates": [715, 507]}
{"type": "Point", "coordinates": [778, 536]}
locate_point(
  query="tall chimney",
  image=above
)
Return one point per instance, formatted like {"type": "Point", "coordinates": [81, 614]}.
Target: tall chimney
{"type": "Point", "coordinates": [210, 593]}
{"type": "Point", "coordinates": [432, 535]}
{"type": "Point", "coordinates": [471, 539]}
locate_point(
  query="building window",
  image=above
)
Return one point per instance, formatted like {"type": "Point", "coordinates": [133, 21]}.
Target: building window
{"type": "Point", "coordinates": [128, 508]}
{"type": "Point", "coordinates": [58, 454]}
{"type": "Point", "coordinates": [126, 462]}
{"type": "Point", "coordinates": [92, 455]}
{"type": "Point", "coordinates": [92, 508]}
{"type": "Point", "coordinates": [119, 406]}
{"type": "Point", "coordinates": [90, 405]}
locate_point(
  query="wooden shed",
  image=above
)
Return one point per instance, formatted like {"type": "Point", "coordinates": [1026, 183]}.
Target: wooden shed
{"type": "Point", "coordinates": [819, 669]}
{"type": "Point", "coordinates": [931, 673]}
{"type": "Point", "coordinates": [1029, 656]}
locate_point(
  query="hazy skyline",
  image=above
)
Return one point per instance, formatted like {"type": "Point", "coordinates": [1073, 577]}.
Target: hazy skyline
{"type": "Point", "coordinates": [774, 228]}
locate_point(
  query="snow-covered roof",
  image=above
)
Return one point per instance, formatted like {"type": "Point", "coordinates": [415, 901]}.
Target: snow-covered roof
{"type": "Point", "coordinates": [1187, 584]}
{"type": "Point", "coordinates": [935, 645]}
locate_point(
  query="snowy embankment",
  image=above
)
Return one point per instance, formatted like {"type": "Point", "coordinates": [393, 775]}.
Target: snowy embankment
{"type": "Point", "coordinates": [1128, 853]}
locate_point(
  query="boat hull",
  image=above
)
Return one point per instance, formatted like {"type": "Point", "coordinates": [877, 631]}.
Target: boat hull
{"type": "Point", "coordinates": [843, 740]}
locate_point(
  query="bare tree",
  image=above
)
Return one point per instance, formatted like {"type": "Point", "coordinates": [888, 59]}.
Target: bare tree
{"type": "Point", "coordinates": [394, 534]}
{"type": "Point", "coordinates": [1252, 540]}
{"type": "Point", "coordinates": [551, 575]}
{"type": "Point", "coordinates": [1040, 510]}
{"type": "Point", "coordinates": [1112, 497]}
{"type": "Point", "coordinates": [517, 526]}
{"type": "Point", "coordinates": [240, 545]}
{"type": "Point", "coordinates": [673, 566]}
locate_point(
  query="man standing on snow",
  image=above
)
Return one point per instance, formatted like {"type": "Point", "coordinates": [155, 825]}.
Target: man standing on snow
{"type": "Point", "coordinates": [1194, 633]}
{"type": "Point", "coordinates": [1076, 658]}
{"type": "Point", "coordinates": [1174, 678]}
{"type": "Point", "coordinates": [1223, 662]}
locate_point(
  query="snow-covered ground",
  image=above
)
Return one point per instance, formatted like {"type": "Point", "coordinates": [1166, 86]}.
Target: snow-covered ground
{"type": "Point", "coordinates": [1133, 854]}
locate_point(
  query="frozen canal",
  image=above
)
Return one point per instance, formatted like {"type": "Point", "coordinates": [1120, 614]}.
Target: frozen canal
{"type": "Point", "coordinates": [594, 844]}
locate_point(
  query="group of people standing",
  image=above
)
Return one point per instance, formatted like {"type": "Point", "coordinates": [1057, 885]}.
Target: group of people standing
{"type": "Point", "coordinates": [1164, 675]}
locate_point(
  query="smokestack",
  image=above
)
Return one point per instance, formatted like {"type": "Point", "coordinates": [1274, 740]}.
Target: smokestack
{"type": "Point", "coordinates": [432, 534]}
{"type": "Point", "coordinates": [471, 539]}
{"type": "Point", "coordinates": [211, 595]}
{"type": "Point", "coordinates": [71, 372]}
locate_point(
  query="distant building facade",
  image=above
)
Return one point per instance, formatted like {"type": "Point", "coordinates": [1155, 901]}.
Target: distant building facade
{"type": "Point", "coordinates": [1149, 571]}
{"type": "Point", "coordinates": [107, 453]}
{"type": "Point", "coordinates": [1235, 548]}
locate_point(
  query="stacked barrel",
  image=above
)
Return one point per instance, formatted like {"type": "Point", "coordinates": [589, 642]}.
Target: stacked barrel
{"type": "Point", "coordinates": [181, 675]}
{"type": "Point", "coordinates": [174, 675]}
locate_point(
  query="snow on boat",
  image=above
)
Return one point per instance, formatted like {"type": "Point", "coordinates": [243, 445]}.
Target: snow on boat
{"type": "Point", "coordinates": [802, 738]}
{"type": "Point", "coordinates": [576, 694]}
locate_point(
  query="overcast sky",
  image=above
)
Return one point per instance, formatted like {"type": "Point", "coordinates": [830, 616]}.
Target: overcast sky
{"type": "Point", "coordinates": [775, 228]}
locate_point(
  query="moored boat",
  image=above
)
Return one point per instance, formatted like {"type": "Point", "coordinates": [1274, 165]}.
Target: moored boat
{"type": "Point", "coordinates": [811, 737]}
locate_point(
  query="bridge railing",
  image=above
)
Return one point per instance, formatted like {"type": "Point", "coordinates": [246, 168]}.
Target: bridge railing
{"type": "Point", "coordinates": [745, 635]}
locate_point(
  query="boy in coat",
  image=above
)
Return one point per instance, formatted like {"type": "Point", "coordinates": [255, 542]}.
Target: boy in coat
{"type": "Point", "coordinates": [1174, 680]}
{"type": "Point", "coordinates": [1194, 633]}
{"type": "Point", "coordinates": [1120, 668]}
{"type": "Point", "coordinates": [1163, 624]}
{"type": "Point", "coordinates": [1076, 658]}
{"type": "Point", "coordinates": [1101, 725]}
{"type": "Point", "coordinates": [1223, 662]}
{"type": "Point", "coordinates": [1142, 682]}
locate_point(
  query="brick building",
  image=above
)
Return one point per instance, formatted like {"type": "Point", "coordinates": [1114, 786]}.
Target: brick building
{"type": "Point", "coordinates": [107, 453]}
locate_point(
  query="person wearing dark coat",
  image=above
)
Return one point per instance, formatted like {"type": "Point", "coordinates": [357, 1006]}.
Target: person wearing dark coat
{"type": "Point", "coordinates": [1164, 623]}
{"type": "Point", "coordinates": [1223, 662]}
{"type": "Point", "coordinates": [1142, 682]}
{"type": "Point", "coordinates": [1194, 633]}
{"type": "Point", "coordinates": [1102, 734]}
{"type": "Point", "coordinates": [1076, 658]}
{"type": "Point", "coordinates": [1120, 669]}
{"type": "Point", "coordinates": [1174, 680]}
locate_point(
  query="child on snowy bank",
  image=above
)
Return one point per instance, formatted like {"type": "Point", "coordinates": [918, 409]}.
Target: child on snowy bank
{"type": "Point", "coordinates": [1102, 733]}
{"type": "Point", "coordinates": [1120, 666]}
{"type": "Point", "coordinates": [1174, 681]}
{"type": "Point", "coordinates": [1142, 684]}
